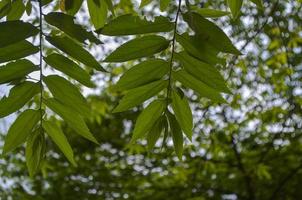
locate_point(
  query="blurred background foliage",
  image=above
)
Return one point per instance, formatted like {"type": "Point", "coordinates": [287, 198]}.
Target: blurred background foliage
{"type": "Point", "coordinates": [249, 149]}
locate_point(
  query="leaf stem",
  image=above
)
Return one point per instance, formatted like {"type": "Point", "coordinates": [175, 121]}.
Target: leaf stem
{"type": "Point", "coordinates": [172, 54]}
{"type": "Point", "coordinates": [41, 63]}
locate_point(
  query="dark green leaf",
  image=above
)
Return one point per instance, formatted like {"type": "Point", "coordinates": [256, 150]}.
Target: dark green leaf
{"type": "Point", "coordinates": [20, 129]}
{"type": "Point", "coordinates": [98, 12]}
{"type": "Point", "coordinates": [5, 7]}
{"type": "Point", "coordinates": [212, 33]}
{"type": "Point", "coordinates": [183, 113]}
{"type": "Point", "coordinates": [34, 152]}
{"type": "Point", "coordinates": [16, 11]}
{"type": "Point", "coordinates": [71, 48]}
{"type": "Point", "coordinates": [138, 48]}
{"type": "Point", "coordinates": [164, 4]}
{"type": "Point", "coordinates": [66, 24]}
{"type": "Point", "coordinates": [132, 25]}
{"type": "Point", "coordinates": [73, 119]}
{"type": "Point", "coordinates": [16, 70]}
{"type": "Point", "coordinates": [198, 86]}
{"type": "Point", "coordinates": [177, 136]}
{"type": "Point", "coordinates": [73, 6]}
{"type": "Point", "coordinates": [28, 8]}
{"type": "Point", "coordinates": [17, 51]}
{"type": "Point", "coordinates": [211, 13]}
{"type": "Point", "coordinates": [68, 94]}
{"type": "Point", "coordinates": [18, 97]}
{"type": "Point", "coordinates": [69, 68]}
{"type": "Point", "coordinates": [147, 119]}
{"type": "Point", "coordinates": [138, 95]}
{"type": "Point", "coordinates": [143, 73]}
{"type": "Point", "coordinates": [57, 135]}
{"type": "Point", "coordinates": [10, 28]}
{"type": "Point", "coordinates": [202, 71]}
{"type": "Point", "coordinates": [155, 132]}
{"type": "Point", "coordinates": [110, 6]}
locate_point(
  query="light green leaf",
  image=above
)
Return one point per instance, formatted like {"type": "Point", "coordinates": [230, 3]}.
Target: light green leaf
{"type": "Point", "coordinates": [259, 3]}
{"type": "Point", "coordinates": [144, 3]}
{"type": "Point", "coordinates": [147, 119]}
{"type": "Point", "coordinates": [212, 33]}
{"type": "Point", "coordinates": [68, 94]}
{"type": "Point", "coordinates": [138, 48]}
{"type": "Point", "coordinates": [155, 132]}
{"type": "Point", "coordinates": [10, 28]}
{"type": "Point", "coordinates": [57, 135]}
{"type": "Point", "coordinates": [235, 6]}
{"type": "Point", "coordinates": [66, 24]}
{"type": "Point", "coordinates": [138, 95]}
{"type": "Point", "coordinates": [164, 4]}
{"type": "Point", "coordinates": [73, 6]}
{"type": "Point", "coordinates": [177, 136]}
{"type": "Point", "coordinates": [17, 50]}
{"type": "Point", "coordinates": [110, 6]}
{"type": "Point", "coordinates": [98, 12]}
{"type": "Point", "coordinates": [16, 11]}
{"type": "Point", "coordinates": [143, 73]}
{"type": "Point", "coordinates": [203, 72]}
{"type": "Point", "coordinates": [198, 86]}
{"type": "Point", "coordinates": [71, 48]}
{"type": "Point", "coordinates": [132, 25]}
{"type": "Point", "coordinates": [16, 70]}
{"type": "Point", "coordinates": [69, 68]}
{"type": "Point", "coordinates": [73, 119]}
{"type": "Point", "coordinates": [20, 129]}
{"type": "Point", "coordinates": [183, 113]}
{"type": "Point", "coordinates": [18, 97]}
{"type": "Point", "coordinates": [34, 152]}
{"type": "Point", "coordinates": [211, 13]}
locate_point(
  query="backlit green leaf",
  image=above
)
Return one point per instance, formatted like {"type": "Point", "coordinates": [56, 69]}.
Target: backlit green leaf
{"type": "Point", "coordinates": [66, 24]}
{"type": "Point", "coordinates": [143, 73]}
{"type": "Point", "coordinates": [73, 6]}
{"type": "Point", "coordinates": [71, 48]}
{"type": "Point", "coordinates": [17, 50]}
{"type": "Point", "coordinates": [147, 119]}
{"type": "Point", "coordinates": [177, 136]}
{"type": "Point", "coordinates": [16, 70]}
{"type": "Point", "coordinates": [164, 4]}
{"type": "Point", "coordinates": [69, 68]}
{"type": "Point", "coordinates": [198, 86]}
{"type": "Point", "coordinates": [20, 129]}
{"type": "Point", "coordinates": [155, 132]}
{"type": "Point", "coordinates": [68, 94]}
{"type": "Point", "coordinates": [259, 3]}
{"type": "Point", "coordinates": [10, 28]}
{"type": "Point", "coordinates": [235, 6]}
{"type": "Point", "coordinates": [16, 11]}
{"type": "Point", "coordinates": [98, 10]}
{"type": "Point", "coordinates": [57, 135]}
{"type": "Point", "coordinates": [73, 119]}
{"type": "Point", "coordinates": [18, 97]}
{"type": "Point", "coordinates": [138, 48]}
{"type": "Point", "coordinates": [138, 95]}
{"type": "Point", "coordinates": [211, 13]}
{"type": "Point", "coordinates": [132, 25]}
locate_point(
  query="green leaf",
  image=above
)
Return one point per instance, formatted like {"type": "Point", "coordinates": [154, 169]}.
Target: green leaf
{"type": "Point", "coordinates": [17, 50]}
{"type": "Point", "coordinates": [34, 152]}
{"type": "Point", "coordinates": [235, 6]}
{"type": "Point", "coordinates": [73, 6]}
{"type": "Point", "coordinates": [177, 136]}
{"type": "Point", "coordinates": [73, 119]}
{"type": "Point", "coordinates": [183, 113]}
{"type": "Point", "coordinates": [198, 86]}
{"type": "Point", "coordinates": [203, 72]}
{"type": "Point", "coordinates": [199, 48]}
{"type": "Point", "coordinates": [259, 3]}
{"type": "Point", "coordinates": [144, 3]}
{"type": "Point", "coordinates": [164, 4]}
{"type": "Point", "coordinates": [132, 25]}
{"type": "Point", "coordinates": [211, 13]}
{"type": "Point", "coordinates": [20, 129]}
{"type": "Point", "coordinates": [110, 6]}
{"type": "Point", "coordinates": [143, 73]}
{"type": "Point", "coordinates": [155, 132]}
{"type": "Point", "coordinates": [138, 48]}
{"type": "Point", "coordinates": [138, 95]}
{"type": "Point", "coordinates": [71, 48]}
{"type": "Point", "coordinates": [66, 24]}
{"type": "Point", "coordinates": [16, 11]}
{"type": "Point", "coordinates": [69, 68]}
{"type": "Point", "coordinates": [68, 94]}
{"type": "Point", "coordinates": [98, 12]}
{"type": "Point", "coordinates": [147, 119]}
{"type": "Point", "coordinates": [10, 28]}
{"type": "Point", "coordinates": [28, 8]}
{"type": "Point", "coordinates": [16, 70]}
{"type": "Point", "coordinates": [18, 97]}
{"type": "Point", "coordinates": [5, 7]}
{"type": "Point", "coordinates": [212, 33]}
{"type": "Point", "coordinates": [57, 135]}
